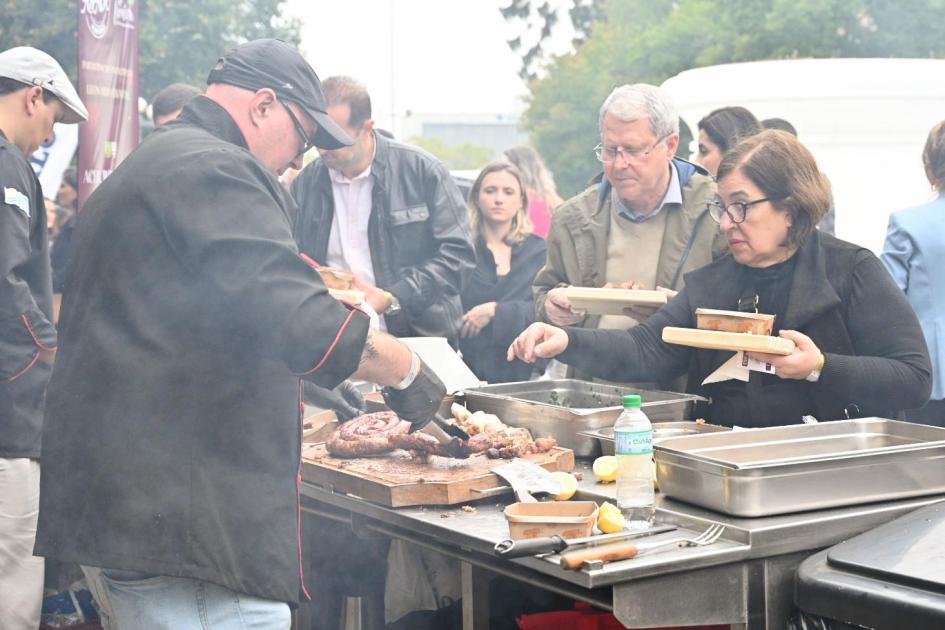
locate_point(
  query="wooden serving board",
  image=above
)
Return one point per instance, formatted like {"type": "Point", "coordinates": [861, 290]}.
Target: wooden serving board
{"type": "Point", "coordinates": [718, 340]}
{"type": "Point", "coordinates": [609, 301]}
{"type": "Point", "coordinates": [348, 296]}
{"type": "Point", "coordinates": [395, 480]}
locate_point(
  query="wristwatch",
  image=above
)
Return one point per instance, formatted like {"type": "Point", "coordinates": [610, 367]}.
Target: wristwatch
{"type": "Point", "coordinates": [394, 307]}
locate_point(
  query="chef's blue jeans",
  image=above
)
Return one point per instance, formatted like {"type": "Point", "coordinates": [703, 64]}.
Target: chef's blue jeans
{"type": "Point", "coordinates": [138, 601]}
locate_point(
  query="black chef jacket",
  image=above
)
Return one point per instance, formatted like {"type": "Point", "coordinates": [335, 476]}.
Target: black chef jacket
{"type": "Point", "coordinates": [173, 428]}
{"type": "Point", "coordinates": [25, 304]}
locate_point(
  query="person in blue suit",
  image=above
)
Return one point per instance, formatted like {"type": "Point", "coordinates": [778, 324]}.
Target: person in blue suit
{"type": "Point", "coordinates": [914, 253]}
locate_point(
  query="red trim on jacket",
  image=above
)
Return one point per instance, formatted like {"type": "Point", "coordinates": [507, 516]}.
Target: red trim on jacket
{"type": "Point", "coordinates": [33, 335]}
{"type": "Point", "coordinates": [331, 348]}
{"type": "Point", "coordinates": [309, 260]}
{"type": "Point", "coordinates": [23, 371]}
{"type": "Point", "coordinates": [298, 497]}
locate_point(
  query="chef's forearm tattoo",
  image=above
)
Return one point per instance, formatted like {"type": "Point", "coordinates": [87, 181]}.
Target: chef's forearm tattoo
{"type": "Point", "coordinates": [370, 351]}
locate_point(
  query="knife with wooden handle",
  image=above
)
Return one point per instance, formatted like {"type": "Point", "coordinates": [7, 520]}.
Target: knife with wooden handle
{"type": "Point", "coordinates": [574, 560]}
{"type": "Point", "coordinates": [509, 548]}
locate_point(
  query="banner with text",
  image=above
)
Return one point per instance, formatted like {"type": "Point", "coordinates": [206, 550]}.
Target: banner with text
{"type": "Point", "coordinates": [108, 85]}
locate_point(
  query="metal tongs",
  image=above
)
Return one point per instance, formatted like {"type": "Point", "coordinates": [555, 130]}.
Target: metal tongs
{"type": "Point", "coordinates": [453, 439]}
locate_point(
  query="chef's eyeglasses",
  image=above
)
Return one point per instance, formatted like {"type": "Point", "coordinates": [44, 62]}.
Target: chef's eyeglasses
{"type": "Point", "coordinates": [606, 153]}
{"type": "Point", "coordinates": [306, 141]}
{"type": "Point", "coordinates": [736, 211]}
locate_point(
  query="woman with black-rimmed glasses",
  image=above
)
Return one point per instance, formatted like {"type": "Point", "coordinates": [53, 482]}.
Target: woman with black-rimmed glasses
{"type": "Point", "coordinates": [859, 349]}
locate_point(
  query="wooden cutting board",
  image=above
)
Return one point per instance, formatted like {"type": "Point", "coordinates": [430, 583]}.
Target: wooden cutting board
{"type": "Point", "coordinates": [609, 301]}
{"type": "Point", "coordinates": [719, 340]}
{"type": "Point", "coordinates": [395, 480]}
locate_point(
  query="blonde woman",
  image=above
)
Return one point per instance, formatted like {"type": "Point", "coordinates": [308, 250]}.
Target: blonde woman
{"type": "Point", "coordinates": [543, 198]}
{"type": "Point", "coordinates": [497, 298]}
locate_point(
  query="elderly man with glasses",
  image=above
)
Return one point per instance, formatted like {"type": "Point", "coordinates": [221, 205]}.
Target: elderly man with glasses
{"type": "Point", "coordinates": [642, 223]}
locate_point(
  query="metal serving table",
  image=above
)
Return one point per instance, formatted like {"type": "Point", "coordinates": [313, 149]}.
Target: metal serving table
{"type": "Point", "coordinates": [745, 579]}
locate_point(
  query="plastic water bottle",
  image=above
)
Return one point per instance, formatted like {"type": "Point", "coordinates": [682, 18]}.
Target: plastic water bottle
{"type": "Point", "coordinates": [633, 434]}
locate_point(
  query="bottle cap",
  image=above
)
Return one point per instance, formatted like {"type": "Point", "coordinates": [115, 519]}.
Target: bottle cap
{"type": "Point", "coordinates": [632, 400]}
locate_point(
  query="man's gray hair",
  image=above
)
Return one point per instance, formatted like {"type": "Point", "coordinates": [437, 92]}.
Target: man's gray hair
{"type": "Point", "coordinates": [642, 100]}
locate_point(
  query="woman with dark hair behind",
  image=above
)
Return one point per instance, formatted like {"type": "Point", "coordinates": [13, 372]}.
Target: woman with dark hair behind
{"type": "Point", "coordinates": [498, 296]}
{"type": "Point", "coordinates": [779, 123]}
{"type": "Point", "coordinates": [913, 253]}
{"type": "Point", "coordinates": [720, 131]}
{"type": "Point", "coordinates": [543, 198]}
{"type": "Point", "coordinates": [858, 350]}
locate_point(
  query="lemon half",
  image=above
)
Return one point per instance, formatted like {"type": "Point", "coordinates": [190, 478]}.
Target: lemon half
{"type": "Point", "coordinates": [610, 522]}
{"type": "Point", "coordinates": [568, 483]}
{"type": "Point", "coordinates": [608, 508]}
{"type": "Point", "coordinates": [605, 468]}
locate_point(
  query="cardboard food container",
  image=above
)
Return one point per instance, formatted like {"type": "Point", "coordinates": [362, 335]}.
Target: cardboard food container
{"type": "Point", "coordinates": [570, 519]}
{"type": "Point", "coordinates": [734, 321]}
{"type": "Point", "coordinates": [335, 278]}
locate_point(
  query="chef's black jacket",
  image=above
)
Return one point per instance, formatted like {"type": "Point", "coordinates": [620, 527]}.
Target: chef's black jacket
{"type": "Point", "coordinates": [173, 426]}
{"type": "Point", "coordinates": [25, 304]}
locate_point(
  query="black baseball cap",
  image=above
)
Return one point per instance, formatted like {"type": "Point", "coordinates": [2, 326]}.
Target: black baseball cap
{"type": "Point", "coordinates": [273, 64]}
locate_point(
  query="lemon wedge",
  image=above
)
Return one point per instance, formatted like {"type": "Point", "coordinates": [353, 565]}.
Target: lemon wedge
{"type": "Point", "coordinates": [568, 483]}
{"type": "Point", "coordinates": [611, 523]}
{"type": "Point", "coordinates": [605, 468]}
{"type": "Point", "coordinates": [608, 508]}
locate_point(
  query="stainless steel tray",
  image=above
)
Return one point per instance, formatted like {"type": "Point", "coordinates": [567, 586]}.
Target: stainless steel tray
{"type": "Point", "coordinates": [759, 472]}
{"type": "Point", "coordinates": [661, 431]}
{"type": "Point", "coordinates": [561, 408]}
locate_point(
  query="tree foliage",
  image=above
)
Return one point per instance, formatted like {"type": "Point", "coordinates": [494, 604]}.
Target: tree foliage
{"type": "Point", "coordinates": [536, 21]}
{"type": "Point", "coordinates": [179, 40]}
{"type": "Point", "coordinates": [652, 40]}
{"type": "Point", "coordinates": [456, 157]}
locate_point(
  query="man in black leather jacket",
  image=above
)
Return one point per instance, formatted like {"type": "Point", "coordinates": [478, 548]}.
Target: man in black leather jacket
{"type": "Point", "coordinates": [391, 213]}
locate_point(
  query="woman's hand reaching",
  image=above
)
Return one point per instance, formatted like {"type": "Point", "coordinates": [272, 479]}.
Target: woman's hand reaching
{"type": "Point", "coordinates": [538, 341]}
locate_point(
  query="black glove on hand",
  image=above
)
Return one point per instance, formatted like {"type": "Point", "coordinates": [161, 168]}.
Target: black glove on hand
{"type": "Point", "coordinates": [345, 399]}
{"type": "Point", "coordinates": [418, 401]}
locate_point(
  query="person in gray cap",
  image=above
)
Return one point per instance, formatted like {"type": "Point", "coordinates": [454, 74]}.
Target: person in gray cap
{"type": "Point", "coordinates": [34, 94]}
{"type": "Point", "coordinates": [173, 429]}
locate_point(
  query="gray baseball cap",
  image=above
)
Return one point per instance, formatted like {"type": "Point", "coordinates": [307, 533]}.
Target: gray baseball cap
{"type": "Point", "coordinates": [34, 67]}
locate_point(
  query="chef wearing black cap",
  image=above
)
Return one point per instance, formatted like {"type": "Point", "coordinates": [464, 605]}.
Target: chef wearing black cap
{"type": "Point", "coordinates": [173, 425]}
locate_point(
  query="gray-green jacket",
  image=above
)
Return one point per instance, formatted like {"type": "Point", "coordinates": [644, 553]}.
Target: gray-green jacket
{"type": "Point", "coordinates": [577, 242]}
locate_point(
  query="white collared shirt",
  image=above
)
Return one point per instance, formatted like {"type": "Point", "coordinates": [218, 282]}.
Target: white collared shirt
{"type": "Point", "coordinates": [348, 244]}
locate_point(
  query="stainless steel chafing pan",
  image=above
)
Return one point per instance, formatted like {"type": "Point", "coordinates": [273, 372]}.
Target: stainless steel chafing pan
{"type": "Point", "coordinates": [561, 408]}
{"type": "Point", "coordinates": [661, 431]}
{"type": "Point", "coordinates": [759, 472]}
